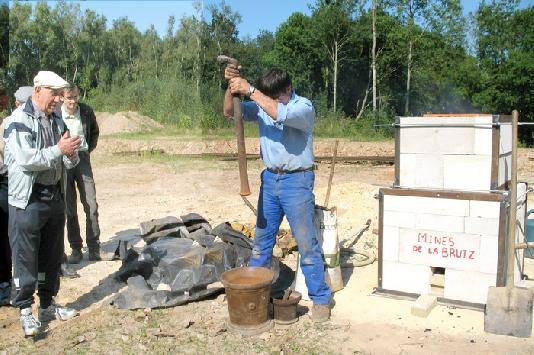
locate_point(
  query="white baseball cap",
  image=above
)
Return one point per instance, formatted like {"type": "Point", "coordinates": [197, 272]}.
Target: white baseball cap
{"type": "Point", "coordinates": [49, 79]}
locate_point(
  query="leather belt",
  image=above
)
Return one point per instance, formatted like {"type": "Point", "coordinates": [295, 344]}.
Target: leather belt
{"type": "Point", "coordinates": [282, 171]}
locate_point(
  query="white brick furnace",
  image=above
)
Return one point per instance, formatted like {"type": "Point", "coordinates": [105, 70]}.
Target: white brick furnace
{"type": "Point", "coordinates": [471, 152]}
{"type": "Point", "coordinates": [443, 227]}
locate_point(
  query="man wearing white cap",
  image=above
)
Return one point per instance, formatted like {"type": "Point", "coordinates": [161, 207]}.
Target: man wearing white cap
{"type": "Point", "coordinates": [38, 149]}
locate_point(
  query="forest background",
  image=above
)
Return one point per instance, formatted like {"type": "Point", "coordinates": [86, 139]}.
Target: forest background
{"type": "Point", "coordinates": [361, 62]}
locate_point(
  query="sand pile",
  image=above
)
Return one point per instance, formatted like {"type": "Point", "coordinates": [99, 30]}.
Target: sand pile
{"type": "Point", "coordinates": [121, 122]}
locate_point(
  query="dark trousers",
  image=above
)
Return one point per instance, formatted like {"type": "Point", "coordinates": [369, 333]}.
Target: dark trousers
{"type": "Point", "coordinates": [36, 235]}
{"type": "Point", "coordinates": [5, 249]}
{"type": "Point", "coordinates": [81, 177]}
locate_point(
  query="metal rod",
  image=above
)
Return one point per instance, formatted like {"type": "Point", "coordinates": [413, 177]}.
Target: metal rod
{"type": "Point", "coordinates": [247, 202]}
{"type": "Point", "coordinates": [513, 206]}
{"type": "Point", "coordinates": [455, 125]}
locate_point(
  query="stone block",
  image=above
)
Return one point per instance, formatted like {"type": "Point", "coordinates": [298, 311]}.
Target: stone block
{"type": "Point", "coordinates": [468, 286]}
{"type": "Point", "coordinates": [417, 204]}
{"type": "Point", "coordinates": [484, 209]}
{"type": "Point", "coordinates": [482, 226]}
{"type": "Point", "coordinates": [428, 171]}
{"type": "Point", "coordinates": [454, 224]}
{"type": "Point", "coordinates": [407, 170]}
{"type": "Point", "coordinates": [406, 277]}
{"type": "Point", "coordinates": [390, 246]}
{"type": "Point", "coordinates": [467, 172]}
{"type": "Point", "coordinates": [424, 305]}
{"type": "Point", "coordinates": [399, 219]}
{"type": "Point", "coordinates": [489, 253]}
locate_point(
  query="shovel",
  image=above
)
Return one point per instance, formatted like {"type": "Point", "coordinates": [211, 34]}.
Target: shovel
{"type": "Point", "coordinates": [509, 309]}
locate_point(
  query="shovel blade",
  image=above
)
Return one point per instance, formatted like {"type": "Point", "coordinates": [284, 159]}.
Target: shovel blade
{"type": "Point", "coordinates": [509, 311]}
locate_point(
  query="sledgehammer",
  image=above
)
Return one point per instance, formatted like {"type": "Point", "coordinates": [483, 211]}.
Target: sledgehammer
{"type": "Point", "coordinates": [239, 132]}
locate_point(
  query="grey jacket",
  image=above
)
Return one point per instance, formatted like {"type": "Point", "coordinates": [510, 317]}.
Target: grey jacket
{"type": "Point", "coordinates": [25, 154]}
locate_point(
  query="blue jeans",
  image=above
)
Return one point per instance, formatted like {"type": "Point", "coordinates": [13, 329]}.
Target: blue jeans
{"type": "Point", "coordinates": [291, 195]}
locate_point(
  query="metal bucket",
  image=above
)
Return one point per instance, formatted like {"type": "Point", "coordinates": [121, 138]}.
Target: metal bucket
{"type": "Point", "coordinates": [285, 310]}
{"type": "Point", "coordinates": [247, 291]}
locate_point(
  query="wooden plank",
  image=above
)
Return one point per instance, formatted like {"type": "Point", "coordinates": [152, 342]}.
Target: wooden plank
{"type": "Point", "coordinates": [450, 194]}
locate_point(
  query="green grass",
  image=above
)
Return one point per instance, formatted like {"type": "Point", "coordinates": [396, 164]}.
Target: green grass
{"type": "Point", "coordinates": [362, 130]}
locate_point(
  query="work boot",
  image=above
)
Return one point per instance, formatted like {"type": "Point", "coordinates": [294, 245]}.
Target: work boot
{"type": "Point", "coordinates": [76, 256]}
{"type": "Point", "coordinates": [94, 254]}
{"type": "Point", "coordinates": [320, 313]}
{"type": "Point", "coordinates": [68, 272]}
{"type": "Point", "coordinates": [30, 325]}
{"type": "Point", "coordinates": [55, 311]}
{"type": "Point", "coordinates": [5, 293]}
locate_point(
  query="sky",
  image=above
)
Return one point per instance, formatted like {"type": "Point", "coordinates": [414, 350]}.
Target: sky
{"type": "Point", "coordinates": [256, 15]}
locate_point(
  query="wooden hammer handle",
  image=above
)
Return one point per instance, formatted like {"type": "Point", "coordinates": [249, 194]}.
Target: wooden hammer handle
{"type": "Point", "coordinates": [244, 189]}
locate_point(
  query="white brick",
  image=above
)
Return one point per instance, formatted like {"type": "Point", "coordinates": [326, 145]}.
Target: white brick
{"type": "Point", "coordinates": [456, 140]}
{"type": "Point", "coordinates": [390, 246]}
{"type": "Point", "coordinates": [445, 206]}
{"type": "Point", "coordinates": [418, 140]}
{"type": "Point", "coordinates": [489, 254]}
{"type": "Point", "coordinates": [455, 250]}
{"type": "Point", "coordinates": [505, 168]}
{"type": "Point", "coordinates": [469, 286]}
{"type": "Point", "coordinates": [428, 171]}
{"type": "Point", "coordinates": [406, 277]}
{"type": "Point", "coordinates": [484, 138]}
{"type": "Point", "coordinates": [399, 219]}
{"type": "Point", "coordinates": [416, 204]}
{"type": "Point", "coordinates": [407, 170]}
{"type": "Point", "coordinates": [407, 204]}
{"type": "Point", "coordinates": [482, 226]}
{"type": "Point", "coordinates": [486, 209]}
{"type": "Point", "coordinates": [440, 223]}
{"type": "Point", "coordinates": [467, 172]}
{"type": "Point", "coordinates": [505, 144]}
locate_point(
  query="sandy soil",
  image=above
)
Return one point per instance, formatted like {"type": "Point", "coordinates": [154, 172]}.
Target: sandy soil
{"type": "Point", "coordinates": [132, 189]}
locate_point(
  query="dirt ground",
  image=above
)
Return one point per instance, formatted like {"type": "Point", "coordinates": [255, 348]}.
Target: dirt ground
{"type": "Point", "coordinates": [135, 188]}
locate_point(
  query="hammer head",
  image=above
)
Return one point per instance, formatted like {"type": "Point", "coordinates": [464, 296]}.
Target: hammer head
{"type": "Point", "coordinates": [227, 60]}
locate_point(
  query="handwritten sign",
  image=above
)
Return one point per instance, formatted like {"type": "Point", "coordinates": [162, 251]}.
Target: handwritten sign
{"type": "Point", "coordinates": [456, 250]}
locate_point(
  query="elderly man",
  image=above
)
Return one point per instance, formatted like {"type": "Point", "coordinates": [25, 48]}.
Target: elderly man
{"type": "Point", "coordinates": [38, 148]}
{"type": "Point", "coordinates": [285, 123]}
{"type": "Point", "coordinates": [81, 121]}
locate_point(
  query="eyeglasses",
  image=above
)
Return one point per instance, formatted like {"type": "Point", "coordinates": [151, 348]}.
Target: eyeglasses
{"type": "Point", "coordinates": [71, 98]}
{"type": "Point", "coordinates": [55, 92]}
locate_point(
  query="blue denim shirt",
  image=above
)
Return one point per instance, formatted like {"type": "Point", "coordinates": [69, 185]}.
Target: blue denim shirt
{"type": "Point", "coordinates": [285, 143]}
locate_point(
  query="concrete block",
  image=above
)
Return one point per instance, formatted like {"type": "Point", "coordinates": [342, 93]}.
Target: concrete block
{"type": "Point", "coordinates": [424, 305]}
{"type": "Point", "coordinates": [390, 246]}
{"type": "Point", "coordinates": [455, 250]}
{"type": "Point", "coordinates": [418, 139]}
{"type": "Point", "coordinates": [406, 277]}
{"type": "Point", "coordinates": [399, 219]}
{"type": "Point", "coordinates": [505, 169]}
{"type": "Point", "coordinates": [489, 254]}
{"type": "Point", "coordinates": [416, 204]}
{"type": "Point", "coordinates": [407, 204]}
{"type": "Point", "coordinates": [442, 223]}
{"type": "Point", "coordinates": [505, 143]}
{"type": "Point", "coordinates": [456, 140]}
{"type": "Point", "coordinates": [484, 209]}
{"type": "Point", "coordinates": [483, 138]}
{"type": "Point", "coordinates": [444, 206]}
{"type": "Point", "coordinates": [467, 172]}
{"type": "Point", "coordinates": [428, 171]}
{"type": "Point", "coordinates": [468, 286]}
{"type": "Point", "coordinates": [407, 170]}
{"type": "Point", "coordinates": [482, 226]}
